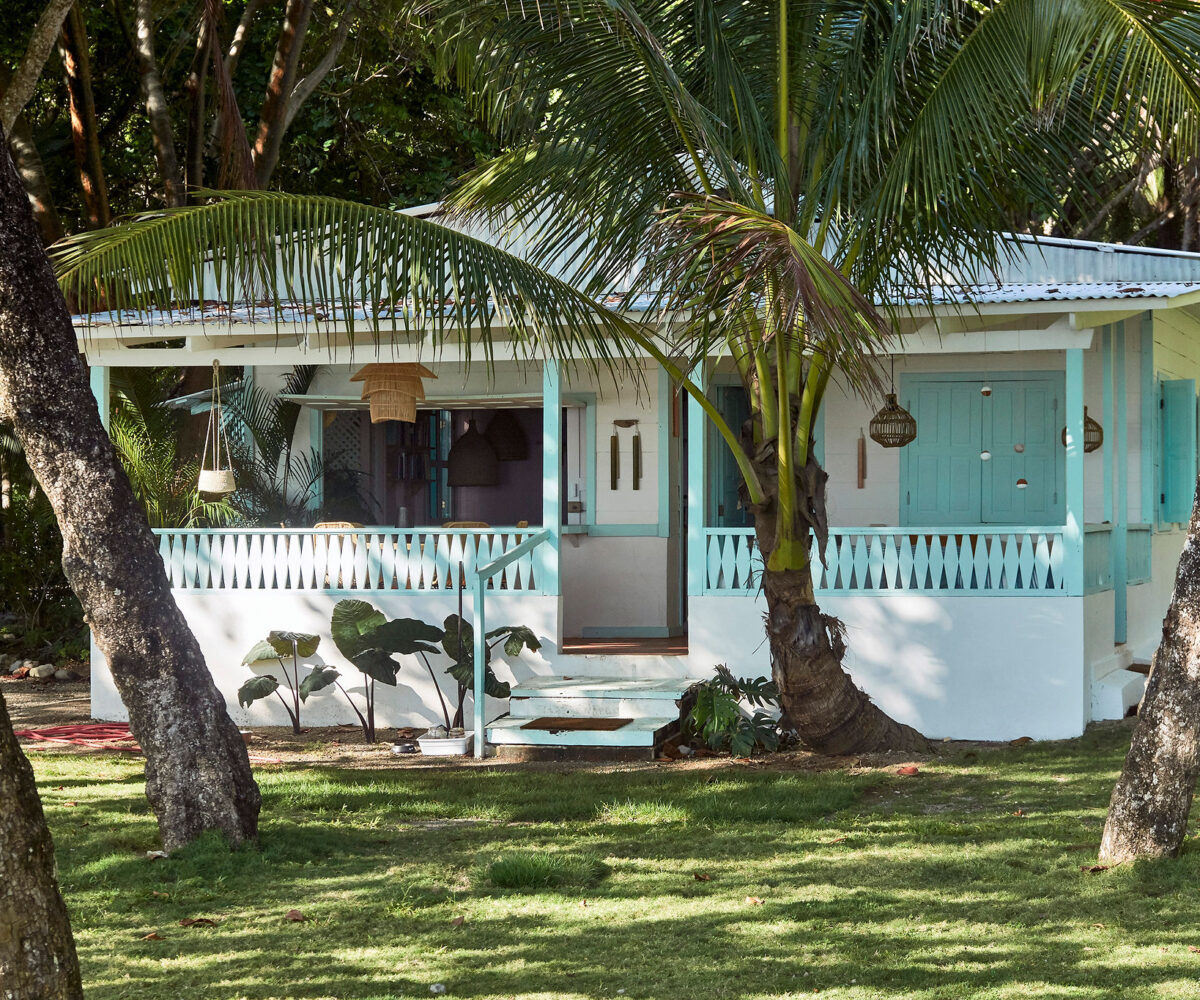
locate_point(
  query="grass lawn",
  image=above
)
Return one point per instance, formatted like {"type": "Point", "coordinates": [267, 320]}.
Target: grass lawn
{"type": "Point", "coordinates": [964, 882]}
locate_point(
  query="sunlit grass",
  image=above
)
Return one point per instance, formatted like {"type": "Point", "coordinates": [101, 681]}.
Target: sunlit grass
{"type": "Point", "coordinates": [737, 882]}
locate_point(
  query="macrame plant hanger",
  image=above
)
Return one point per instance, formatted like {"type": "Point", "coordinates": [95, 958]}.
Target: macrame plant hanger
{"type": "Point", "coordinates": [217, 480]}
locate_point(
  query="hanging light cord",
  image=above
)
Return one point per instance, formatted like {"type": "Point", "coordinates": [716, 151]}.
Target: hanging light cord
{"type": "Point", "coordinates": [216, 424]}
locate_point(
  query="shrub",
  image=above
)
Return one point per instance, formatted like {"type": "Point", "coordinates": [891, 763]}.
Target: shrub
{"type": "Point", "coordinates": [542, 870]}
{"type": "Point", "coordinates": [717, 716]}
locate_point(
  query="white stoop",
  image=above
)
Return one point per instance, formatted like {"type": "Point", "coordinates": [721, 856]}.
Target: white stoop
{"type": "Point", "coordinates": [650, 707]}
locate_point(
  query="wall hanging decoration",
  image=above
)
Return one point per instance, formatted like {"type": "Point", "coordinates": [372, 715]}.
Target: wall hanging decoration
{"type": "Point", "coordinates": [216, 479]}
{"type": "Point", "coordinates": [507, 437]}
{"type": "Point", "coordinates": [862, 460]}
{"type": "Point", "coordinates": [1093, 433]}
{"type": "Point", "coordinates": [392, 390]}
{"type": "Point", "coordinates": [893, 426]}
{"type": "Point", "coordinates": [472, 460]}
{"type": "Point", "coordinates": [614, 454]}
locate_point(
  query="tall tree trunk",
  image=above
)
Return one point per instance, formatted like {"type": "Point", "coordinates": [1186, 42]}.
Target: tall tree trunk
{"type": "Point", "coordinates": [158, 112]}
{"type": "Point", "coordinates": [195, 87]}
{"type": "Point", "coordinates": [1148, 812]}
{"type": "Point", "coordinates": [37, 951]}
{"type": "Point", "coordinates": [37, 186]}
{"type": "Point", "coordinates": [197, 771]}
{"type": "Point", "coordinates": [273, 116]}
{"type": "Point", "coordinates": [828, 710]}
{"type": "Point", "coordinates": [85, 132]}
{"type": "Point", "coordinates": [37, 51]}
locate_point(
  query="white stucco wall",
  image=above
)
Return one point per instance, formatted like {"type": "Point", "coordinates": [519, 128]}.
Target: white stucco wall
{"type": "Point", "coordinates": [228, 623]}
{"type": "Point", "coordinates": [963, 667]}
{"type": "Point", "coordinates": [1148, 602]}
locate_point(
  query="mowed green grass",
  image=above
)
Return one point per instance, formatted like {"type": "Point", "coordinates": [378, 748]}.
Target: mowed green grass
{"type": "Point", "coordinates": [964, 882]}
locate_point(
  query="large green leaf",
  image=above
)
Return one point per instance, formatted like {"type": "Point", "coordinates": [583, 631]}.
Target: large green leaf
{"type": "Point", "coordinates": [256, 688]}
{"type": "Point", "coordinates": [318, 679]}
{"type": "Point", "coordinates": [463, 671]}
{"type": "Point", "coordinates": [378, 665]}
{"type": "Point", "coordinates": [351, 623]}
{"type": "Point", "coordinates": [262, 650]}
{"type": "Point", "coordinates": [452, 628]}
{"type": "Point", "coordinates": [406, 636]}
{"type": "Point", "coordinates": [306, 644]}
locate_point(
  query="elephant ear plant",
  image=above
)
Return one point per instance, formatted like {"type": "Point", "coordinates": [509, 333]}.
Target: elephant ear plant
{"type": "Point", "coordinates": [457, 638]}
{"type": "Point", "coordinates": [273, 649]}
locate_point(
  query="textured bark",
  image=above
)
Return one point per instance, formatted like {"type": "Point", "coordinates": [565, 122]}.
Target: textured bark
{"type": "Point", "coordinates": [37, 51]}
{"type": "Point", "coordinates": [85, 133]}
{"type": "Point", "coordinates": [272, 117]}
{"type": "Point", "coordinates": [158, 112]}
{"type": "Point", "coordinates": [197, 770]}
{"type": "Point", "coordinates": [195, 88]}
{"type": "Point", "coordinates": [37, 186]}
{"type": "Point", "coordinates": [306, 87]}
{"type": "Point", "coordinates": [37, 951]}
{"type": "Point", "coordinates": [820, 701]}
{"type": "Point", "coordinates": [1148, 812]}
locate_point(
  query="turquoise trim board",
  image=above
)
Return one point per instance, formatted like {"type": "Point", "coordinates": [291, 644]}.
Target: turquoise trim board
{"type": "Point", "coordinates": [316, 441]}
{"type": "Point", "coordinates": [1149, 512]}
{"type": "Point", "coordinates": [1073, 528]}
{"type": "Point", "coordinates": [551, 475]}
{"type": "Point", "coordinates": [1106, 354]}
{"type": "Point", "coordinates": [664, 453]}
{"type": "Point", "coordinates": [1178, 411]}
{"type": "Point", "coordinates": [100, 377]}
{"type": "Point", "coordinates": [696, 516]}
{"type": "Point", "coordinates": [1121, 513]}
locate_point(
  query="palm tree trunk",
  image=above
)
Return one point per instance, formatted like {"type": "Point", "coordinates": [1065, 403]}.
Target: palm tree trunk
{"type": "Point", "coordinates": [820, 700]}
{"type": "Point", "coordinates": [197, 770]}
{"type": "Point", "coordinates": [1148, 812]}
{"type": "Point", "coordinates": [37, 951]}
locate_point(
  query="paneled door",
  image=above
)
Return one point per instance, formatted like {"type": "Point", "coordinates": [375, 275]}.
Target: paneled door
{"type": "Point", "coordinates": [987, 450]}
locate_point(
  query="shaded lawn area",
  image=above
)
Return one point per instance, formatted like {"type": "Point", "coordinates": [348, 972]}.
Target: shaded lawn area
{"type": "Point", "coordinates": [962, 883]}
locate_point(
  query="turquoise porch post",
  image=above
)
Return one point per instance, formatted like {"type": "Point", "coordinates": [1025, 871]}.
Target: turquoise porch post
{"type": "Point", "coordinates": [1149, 512]}
{"type": "Point", "coordinates": [101, 379]}
{"type": "Point", "coordinates": [1120, 534]}
{"type": "Point", "coordinates": [1073, 529]}
{"type": "Point", "coordinates": [1106, 352]}
{"type": "Point", "coordinates": [316, 436]}
{"type": "Point", "coordinates": [551, 477]}
{"type": "Point", "coordinates": [697, 515]}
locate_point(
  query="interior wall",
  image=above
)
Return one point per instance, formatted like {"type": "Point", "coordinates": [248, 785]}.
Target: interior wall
{"type": "Point", "coordinates": [518, 495]}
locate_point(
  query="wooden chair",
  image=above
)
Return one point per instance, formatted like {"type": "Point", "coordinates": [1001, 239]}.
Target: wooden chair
{"type": "Point", "coordinates": [465, 524]}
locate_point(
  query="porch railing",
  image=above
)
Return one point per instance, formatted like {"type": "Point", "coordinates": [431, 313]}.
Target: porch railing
{"type": "Point", "coordinates": [984, 560]}
{"type": "Point", "coordinates": [419, 560]}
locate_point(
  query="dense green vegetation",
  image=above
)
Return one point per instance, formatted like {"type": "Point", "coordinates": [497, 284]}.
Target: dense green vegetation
{"type": "Point", "coordinates": [963, 882]}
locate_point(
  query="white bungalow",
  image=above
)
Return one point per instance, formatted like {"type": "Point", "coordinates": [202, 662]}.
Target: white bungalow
{"type": "Point", "coordinates": [996, 580]}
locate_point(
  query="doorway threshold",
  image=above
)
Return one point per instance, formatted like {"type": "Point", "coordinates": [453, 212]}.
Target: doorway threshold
{"type": "Point", "coordinates": [675, 645]}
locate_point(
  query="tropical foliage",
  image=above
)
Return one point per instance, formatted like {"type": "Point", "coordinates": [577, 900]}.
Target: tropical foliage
{"type": "Point", "coordinates": [273, 649]}
{"type": "Point", "coordinates": [717, 716]}
{"type": "Point", "coordinates": [760, 174]}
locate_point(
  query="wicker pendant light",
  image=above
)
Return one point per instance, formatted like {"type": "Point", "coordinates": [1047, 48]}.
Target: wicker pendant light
{"type": "Point", "coordinates": [507, 437]}
{"type": "Point", "coordinates": [472, 460]}
{"type": "Point", "coordinates": [1093, 433]}
{"type": "Point", "coordinates": [893, 426]}
{"type": "Point", "coordinates": [392, 390]}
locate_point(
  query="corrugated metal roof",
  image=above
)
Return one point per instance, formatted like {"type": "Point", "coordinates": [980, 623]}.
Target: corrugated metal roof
{"type": "Point", "coordinates": [1045, 291]}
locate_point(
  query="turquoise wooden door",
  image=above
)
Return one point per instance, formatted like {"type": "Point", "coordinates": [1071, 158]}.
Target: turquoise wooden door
{"type": "Point", "coordinates": [941, 478]}
{"type": "Point", "coordinates": [1021, 429]}
{"type": "Point", "coordinates": [977, 459]}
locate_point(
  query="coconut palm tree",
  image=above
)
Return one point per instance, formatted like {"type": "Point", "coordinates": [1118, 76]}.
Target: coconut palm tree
{"type": "Point", "coordinates": [764, 172]}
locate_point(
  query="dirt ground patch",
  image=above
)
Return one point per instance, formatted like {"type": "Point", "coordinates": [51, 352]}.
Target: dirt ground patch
{"type": "Point", "coordinates": [33, 705]}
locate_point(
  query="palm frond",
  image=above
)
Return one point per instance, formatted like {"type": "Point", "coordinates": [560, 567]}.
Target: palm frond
{"type": "Point", "coordinates": [371, 267]}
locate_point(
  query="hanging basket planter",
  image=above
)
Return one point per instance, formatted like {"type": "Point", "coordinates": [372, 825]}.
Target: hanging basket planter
{"type": "Point", "coordinates": [1093, 433]}
{"type": "Point", "coordinates": [893, 426]}
{"type": "Point", "coordinates": [216, 479]}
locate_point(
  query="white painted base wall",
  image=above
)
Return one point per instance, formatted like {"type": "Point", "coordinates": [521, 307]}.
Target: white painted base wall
{"type": "Point", "coordinates": [1148, 602]}
{"type": "Point", "coordinates": [964, 667]}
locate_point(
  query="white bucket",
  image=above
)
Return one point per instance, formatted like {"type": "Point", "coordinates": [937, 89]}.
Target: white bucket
{"type": "Point", "coordinates": [446, 746]}
{"type": "Point", "coordinates": [218, 481]}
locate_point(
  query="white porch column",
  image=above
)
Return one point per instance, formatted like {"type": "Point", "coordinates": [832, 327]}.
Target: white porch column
{"type": "Point", "coordinates": [1073, 529]}
{"type": "Point", "coordinates": [101, 379]}
{"type": "Point", "coordinates": [697, 516]}
{"type": "Point", "coordinates": [551, 476]}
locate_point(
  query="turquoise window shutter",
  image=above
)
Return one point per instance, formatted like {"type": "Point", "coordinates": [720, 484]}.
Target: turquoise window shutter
{"type": "Point", "coordinates": [1178, 450]}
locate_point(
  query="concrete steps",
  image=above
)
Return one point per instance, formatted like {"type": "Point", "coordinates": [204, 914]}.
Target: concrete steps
{"type": "Point", "coordinates": [647, 707]}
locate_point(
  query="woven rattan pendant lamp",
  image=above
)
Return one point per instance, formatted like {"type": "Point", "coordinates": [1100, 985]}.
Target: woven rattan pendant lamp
{"type": "Point", "coordinates": [216, 479]}
{"type": "Point", "coordinates": [1093, 433]}
{"type": "Point", "coordinates": [392, 390]}
{"type": "Point", "coordinates": [893, 426]}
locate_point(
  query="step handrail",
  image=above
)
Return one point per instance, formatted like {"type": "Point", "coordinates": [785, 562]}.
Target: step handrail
{"type": "Point", "coordinates": [482, 575]}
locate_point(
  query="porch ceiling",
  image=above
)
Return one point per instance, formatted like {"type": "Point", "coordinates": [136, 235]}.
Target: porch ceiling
{"type": "Point", "coordinates": [492, 402]}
